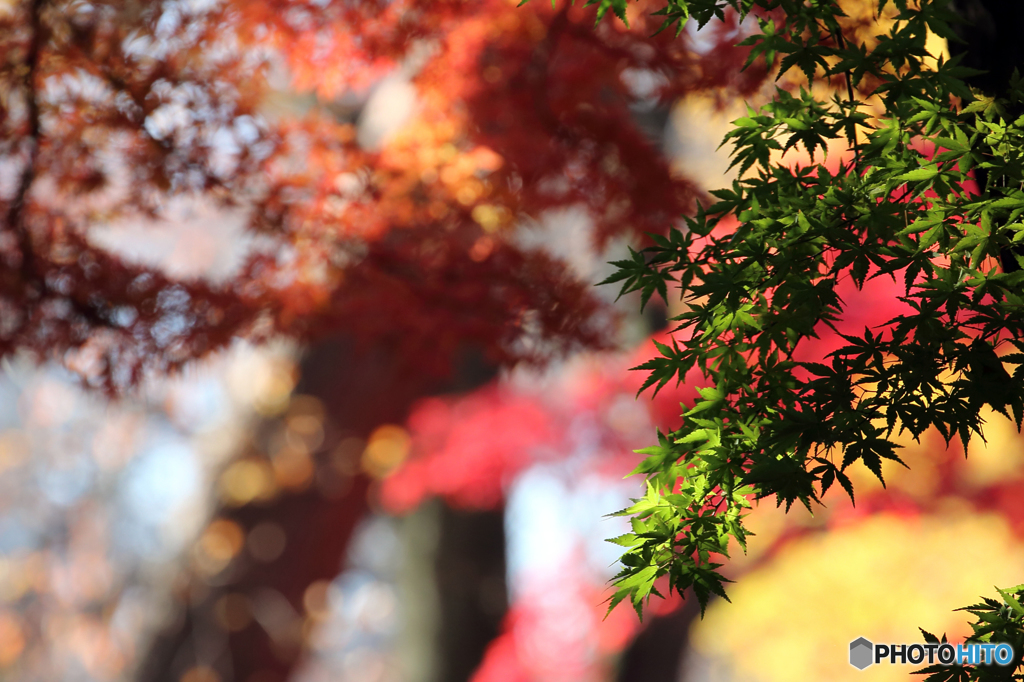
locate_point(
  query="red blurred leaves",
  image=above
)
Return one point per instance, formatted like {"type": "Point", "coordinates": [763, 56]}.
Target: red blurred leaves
{"type": "Point", "coordinates": [468, 449]}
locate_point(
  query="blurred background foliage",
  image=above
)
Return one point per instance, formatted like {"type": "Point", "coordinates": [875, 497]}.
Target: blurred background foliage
{"type": "Point", "coordinates": [380, 493]}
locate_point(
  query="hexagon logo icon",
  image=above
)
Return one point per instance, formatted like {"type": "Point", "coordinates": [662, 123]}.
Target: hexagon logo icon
{"type": "Point", "coordinates": [860, 653]}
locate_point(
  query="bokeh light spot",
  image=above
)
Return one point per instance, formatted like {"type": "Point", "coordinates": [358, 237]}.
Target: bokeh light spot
{"type": "Point", "coordinates": [266, 541]}
{"type": "Point", "coordinates": [233, 612]}
{"type": "Point", "coordinates": [247, 480]}
{"type": "Point", "coordinates": [219, 544]}
{"type": "Point", "coordinates": [12, 638]}
{"type": "Point", "coordinates": [201, 673]}
{"type": "Point", "coordinates": [386, 449]}
{"type": "Point", "coordinates": [316, 600]}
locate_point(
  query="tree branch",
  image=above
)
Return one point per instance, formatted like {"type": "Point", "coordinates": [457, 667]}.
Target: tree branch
{"type": "Point", "coordinates": [15, 219]}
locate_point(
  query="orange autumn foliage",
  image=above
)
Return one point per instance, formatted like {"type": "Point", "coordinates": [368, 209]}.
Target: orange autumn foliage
{"type": "Point", "coordinates": [111, 111]}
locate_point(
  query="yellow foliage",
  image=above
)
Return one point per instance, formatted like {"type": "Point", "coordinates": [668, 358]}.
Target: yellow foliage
{"type": "Point", "coordinates": [794, 618]}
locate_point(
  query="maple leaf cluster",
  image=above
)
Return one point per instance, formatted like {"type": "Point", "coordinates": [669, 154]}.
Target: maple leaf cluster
{"type": "Point", "coordinates": [110, 111]}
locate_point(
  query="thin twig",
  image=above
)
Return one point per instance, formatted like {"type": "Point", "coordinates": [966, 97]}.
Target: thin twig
{"type": "Point", "coordinates": [852, 128]}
